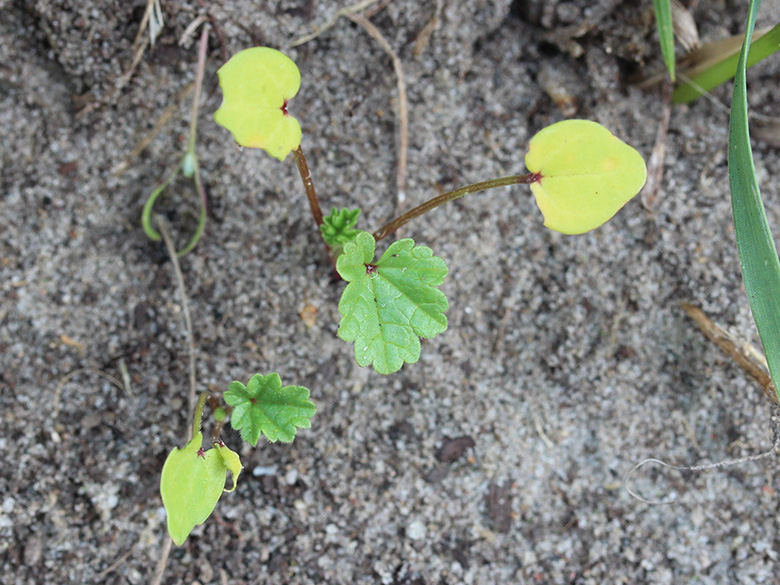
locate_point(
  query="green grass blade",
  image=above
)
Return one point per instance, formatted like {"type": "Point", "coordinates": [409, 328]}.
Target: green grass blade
{"type": "Point", "coordinates": [724, 70]}
{"type": "Point", "coordinates": [663, 22]}
{"type": "Point", "coordinates": [757, 253]}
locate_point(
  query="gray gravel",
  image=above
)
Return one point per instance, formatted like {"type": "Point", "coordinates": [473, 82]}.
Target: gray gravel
{"type": "Point", "coordinates": [567, 361]}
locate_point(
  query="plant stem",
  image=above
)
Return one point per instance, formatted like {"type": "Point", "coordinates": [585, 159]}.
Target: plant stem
{"type": "Point", "coordinates": [159, 569]}
{"type": "Point", "coordinates": [187, 320]}
{"type": "Point", "coordinates": [217, 429]}
{"type": "Point", "coordinates": [431, 204]}
{"type": "Point", "coordinates": [198, 418]}
{"type": "Point", "coordinates": [308, 185]}
{"type": "Point", "coordinates": [189, 163]}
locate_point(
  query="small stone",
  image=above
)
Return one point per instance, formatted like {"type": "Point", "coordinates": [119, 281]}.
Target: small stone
{"type": "Point", "coordinates": [415, 530]}
{"type": "Point", "coordinates": [453, 449]}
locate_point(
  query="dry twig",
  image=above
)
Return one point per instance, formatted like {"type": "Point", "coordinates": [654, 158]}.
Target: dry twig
{"type": "Point", "coordinates": [67, 377]}
{"type": "Point", "coordinates": [329, 24]}
{"type": "Point", "coordinates": [161, 122]}
{"type": "Point", "coordinates": [107, 571]}
{"type": "Point", "coordinates": [403, 109]}
{"type": "Point", "coordinates": [161, 224]}
{"type": "Point", "coordinates": [747, 357]}
{"type": "Point", "coordinates": [655, 170]}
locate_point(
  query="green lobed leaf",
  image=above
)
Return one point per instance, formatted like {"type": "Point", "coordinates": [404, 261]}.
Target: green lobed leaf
{"type": "Point", "coordinates": [757, 253]}
{"type": "Point", "coordinates": [389, 304]}
{"type": "Point", "coordinates": [192, 482]}
{"type": "Point", "coordinates": [663, 22]}
{"type": "Point", "coordinates": [264, 407]}
{"type": "Point", "coordinates": [338, 226]}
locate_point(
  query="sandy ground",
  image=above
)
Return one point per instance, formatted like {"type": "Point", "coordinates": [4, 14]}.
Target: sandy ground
{"type": "Point", "coordinates": [567, 361]}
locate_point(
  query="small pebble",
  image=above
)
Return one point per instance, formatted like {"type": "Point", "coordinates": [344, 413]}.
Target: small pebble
{"type": "Point", "coordinates": [415, 530]}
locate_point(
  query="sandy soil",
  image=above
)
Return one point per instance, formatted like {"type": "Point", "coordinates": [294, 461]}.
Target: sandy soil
{"type": "Point", "coordinates": [567, 361]}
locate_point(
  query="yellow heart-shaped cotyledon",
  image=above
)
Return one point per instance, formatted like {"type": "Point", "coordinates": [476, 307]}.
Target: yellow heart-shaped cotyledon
{"type": "Point", "coordinates": [191, 483]}
{"type": "Point", "coordinates": [586, 174]}
{"type": "Point", "coordinates": [256, 85]}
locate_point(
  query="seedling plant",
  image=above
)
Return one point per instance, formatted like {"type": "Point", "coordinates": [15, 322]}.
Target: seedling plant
{"type": "Point", "coordinates": [188, 165]}
{"type": "Point", "coordinates": [580, 175]}
{"type": "Point", "coordinates": [193, 479]}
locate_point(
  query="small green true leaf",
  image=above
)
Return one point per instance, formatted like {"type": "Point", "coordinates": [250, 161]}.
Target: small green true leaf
{"type": "Point", "coordinates": [220, 414]}
{"type": "Point", "coordinates": [256, 84]}
{"type": "Point", "coordinates": [338, 228]}
{"type": "Point", "coordinates": [586, 174]}
{"type": "Point", "coordinates": [191, 483]}
{"type": "Point", "coordinates": [389, 304]}
{"type": "Point", "coordinates": [263, 406]}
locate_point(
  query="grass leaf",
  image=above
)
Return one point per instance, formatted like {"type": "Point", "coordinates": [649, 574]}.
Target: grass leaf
{"type": "Point", "coordinates": [663, 22]}
{"type": "Point", "coordinates": [757, 253]}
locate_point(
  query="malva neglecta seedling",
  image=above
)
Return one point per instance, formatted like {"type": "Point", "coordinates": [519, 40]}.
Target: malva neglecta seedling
{"type": "Point", "coordinates": [580, 175]}
{"type": "Point", "coordinates": [193, 479]}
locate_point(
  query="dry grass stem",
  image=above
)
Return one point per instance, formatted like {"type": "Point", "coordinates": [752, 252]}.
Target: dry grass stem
{"type": "Point", "coordinates": [161, 224]}
{"type": "Point", "coordinates": [329, 24]}
{"type": "Point", "coordinates": [655, 166]}
{"type": "Point", "coordinates": [161, 122]}
{"type": "Point", "coordinates": [162, 562]}
{"type": "Point", "coordinates": [403, 109]}
{"type": "Point", "coordinates": [747, 357]}
{"type": "Point", "coordinates": [68, 377]}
